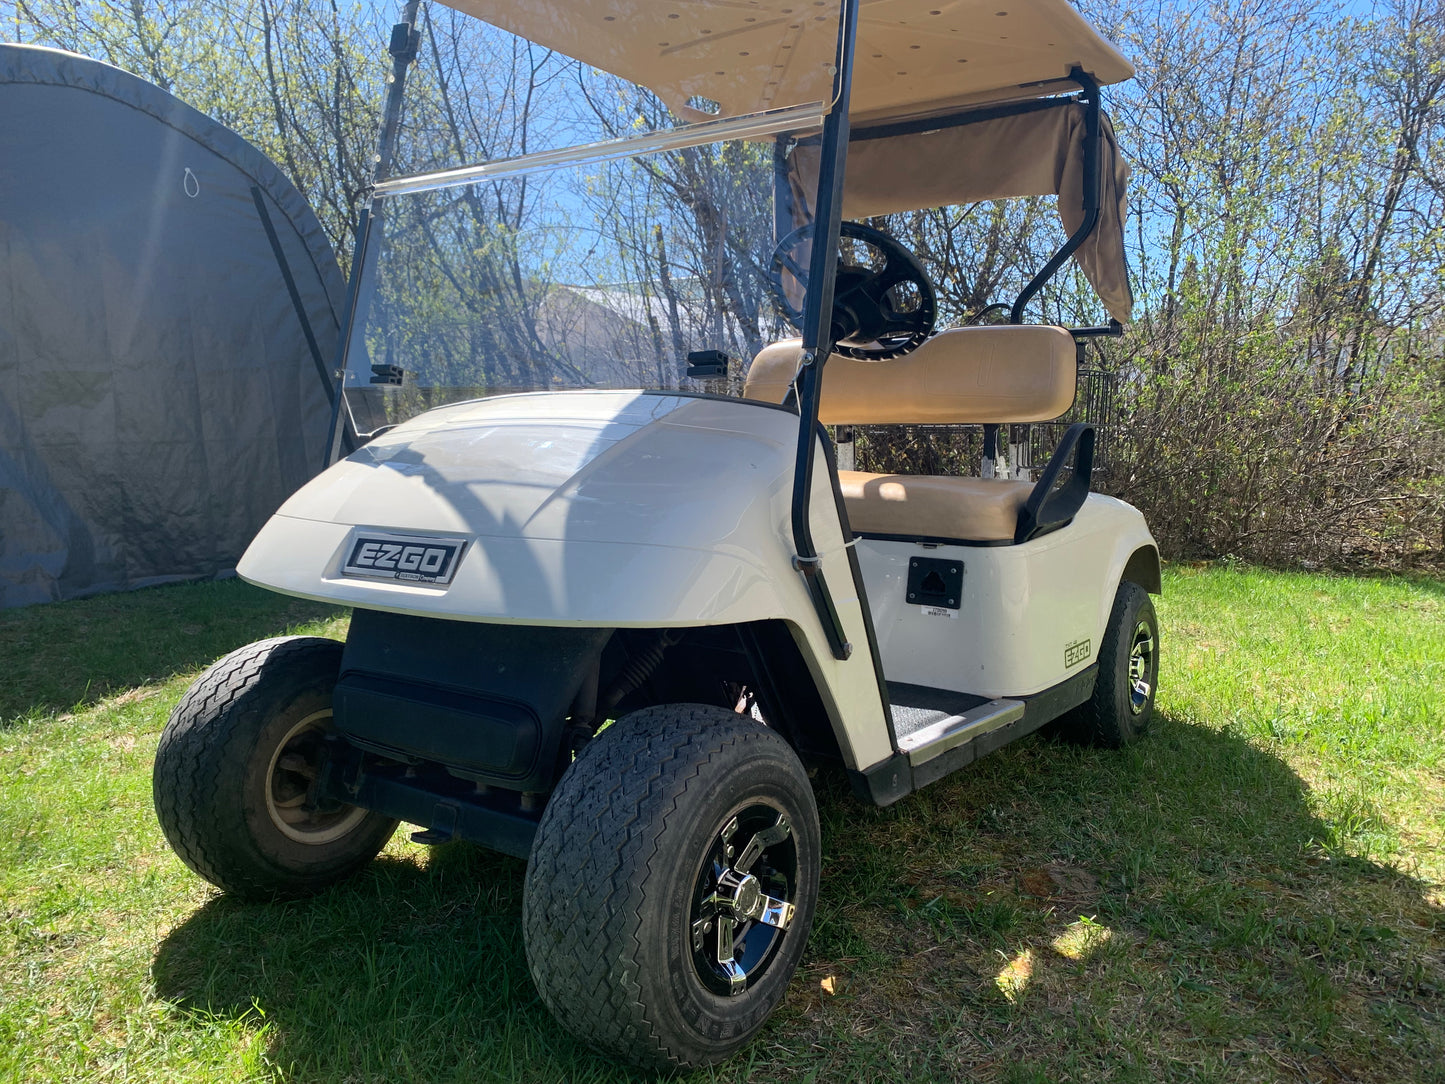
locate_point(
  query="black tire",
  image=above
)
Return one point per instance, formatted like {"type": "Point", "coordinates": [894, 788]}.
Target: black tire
{"type": "Point", "coordinates": [1122, 706]}
{"type": "Point", "coordinates": [229, 808]}
{"type": "Point", "coordinates": [623, 876]}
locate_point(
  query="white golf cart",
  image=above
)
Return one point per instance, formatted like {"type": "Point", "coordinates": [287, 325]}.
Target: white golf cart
{"type": "Point", "coordinates": [608, 620]}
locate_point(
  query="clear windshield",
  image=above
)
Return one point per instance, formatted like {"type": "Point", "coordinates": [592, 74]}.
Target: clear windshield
{"type": "Point", "coordinates": [590, 239]}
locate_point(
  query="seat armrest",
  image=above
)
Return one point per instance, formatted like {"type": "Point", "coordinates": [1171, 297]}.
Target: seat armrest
{"type": "Point", "coordinates": [1048, 508]}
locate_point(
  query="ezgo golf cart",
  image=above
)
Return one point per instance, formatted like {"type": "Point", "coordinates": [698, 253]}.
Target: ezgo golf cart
{"type": "Point", "coordinates": [608, 617]}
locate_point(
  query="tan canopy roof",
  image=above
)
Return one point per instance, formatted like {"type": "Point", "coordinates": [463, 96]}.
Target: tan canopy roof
{"type": "Point", "coordinates": [1033, 154]}
{"type": "Point", "coordinates": [913, 56]}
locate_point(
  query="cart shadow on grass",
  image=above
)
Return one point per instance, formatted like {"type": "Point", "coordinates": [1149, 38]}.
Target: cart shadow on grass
{"type": "Point", "coordinates": [1197, 843]}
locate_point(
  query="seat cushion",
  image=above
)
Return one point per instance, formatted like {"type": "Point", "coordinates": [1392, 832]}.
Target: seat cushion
{"type": "Point", "coordinates": [933, 506]}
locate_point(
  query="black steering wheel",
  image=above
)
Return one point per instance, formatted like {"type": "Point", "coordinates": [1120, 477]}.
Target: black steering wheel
{"type": "Point", "coordinates": [878, 313]}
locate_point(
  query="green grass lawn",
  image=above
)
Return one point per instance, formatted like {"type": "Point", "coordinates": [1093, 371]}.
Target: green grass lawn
{"type": "Point", "coordinates": [1252, 893]}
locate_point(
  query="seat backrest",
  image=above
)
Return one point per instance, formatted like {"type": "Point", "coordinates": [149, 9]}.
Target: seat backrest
{"type": "Point", "coordinates": [964, 376]}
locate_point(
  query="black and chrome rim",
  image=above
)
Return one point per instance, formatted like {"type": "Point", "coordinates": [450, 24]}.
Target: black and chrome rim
{"type": "Point", "coordinates": [1141, 667]}
{"type": "Point", "coordinates": [743, 899]}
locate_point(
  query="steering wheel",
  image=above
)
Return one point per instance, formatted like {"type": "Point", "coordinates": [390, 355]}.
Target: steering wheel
{"type": "Point", "coordinates": [878, 313]}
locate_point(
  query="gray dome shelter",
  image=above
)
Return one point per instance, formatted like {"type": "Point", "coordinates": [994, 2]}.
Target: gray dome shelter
{"type": "Point", "coordinates": [168, 317]}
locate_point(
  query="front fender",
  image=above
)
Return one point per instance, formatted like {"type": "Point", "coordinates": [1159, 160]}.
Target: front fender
{"type": "Point", "coordinates": [592, 509]}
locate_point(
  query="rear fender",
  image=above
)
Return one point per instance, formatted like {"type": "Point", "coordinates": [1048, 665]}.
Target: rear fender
{"type": "Point", "coordinates": [1143, 568]}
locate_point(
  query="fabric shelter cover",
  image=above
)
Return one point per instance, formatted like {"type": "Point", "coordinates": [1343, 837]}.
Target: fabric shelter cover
{"type": "Point", "coordinates": [1038, 153]}
{"type": "Point", "coordinates": [160, 393]}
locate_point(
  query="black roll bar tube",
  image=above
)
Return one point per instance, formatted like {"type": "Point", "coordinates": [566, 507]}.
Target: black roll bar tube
{"type": "Point", "coordinates": [405, 40]}
{"type": "Point", "coordinates": [1093, 133]}
{"type": "Point", "coordinates": [917, 126]}
{"type": "Point", "coordinates": [816, 329]}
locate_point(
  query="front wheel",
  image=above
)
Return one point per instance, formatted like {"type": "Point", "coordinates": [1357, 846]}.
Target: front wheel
{"type": "Point", "coordinates": [672, 884]}
{"type": "Point", "coordinates": [234, 770]}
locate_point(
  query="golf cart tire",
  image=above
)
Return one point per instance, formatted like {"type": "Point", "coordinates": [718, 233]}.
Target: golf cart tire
{"type": "Point", "coordinates": [1112, 717]}
{"type": "Point", "coordinates": [612, 886]}
{"type": "Point", "coordinates": [217, 773]}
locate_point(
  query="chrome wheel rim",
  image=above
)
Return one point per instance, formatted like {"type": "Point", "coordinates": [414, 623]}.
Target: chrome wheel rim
{"type": "Point", "coordinates": [294, 767]}
{"type": "Point", "coordinates": [1141, 668]}
{"type": "Point", "coordinates": [743, 899]}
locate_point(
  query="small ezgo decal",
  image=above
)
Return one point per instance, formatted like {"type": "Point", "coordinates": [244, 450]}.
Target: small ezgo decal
{"type": "Point", "coordinates": [416, 560]}
{"type": "Point", "coordinates": [1076, 653]}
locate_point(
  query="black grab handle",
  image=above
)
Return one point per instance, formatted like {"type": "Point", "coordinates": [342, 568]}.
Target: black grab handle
{"type": "Point", "coordinates": [1048, 509]}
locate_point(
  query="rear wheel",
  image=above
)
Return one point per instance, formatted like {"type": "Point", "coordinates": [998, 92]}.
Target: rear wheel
{"type": "Point", "coordinates": [234, 770]}
{"type": "Point", "coordinates": [672, 884]}
{"type": "Point", "coordinates": [1122, 705]}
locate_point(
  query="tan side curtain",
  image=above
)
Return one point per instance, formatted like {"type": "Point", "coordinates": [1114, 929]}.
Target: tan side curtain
{"type": "Point", "coordinates": [1032, 154]}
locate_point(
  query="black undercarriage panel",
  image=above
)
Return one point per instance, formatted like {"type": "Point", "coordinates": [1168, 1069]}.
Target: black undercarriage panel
{"type": "Point", "coordinates": [488, 701]}
{"type": "Point", "coordinates": [464, 728]}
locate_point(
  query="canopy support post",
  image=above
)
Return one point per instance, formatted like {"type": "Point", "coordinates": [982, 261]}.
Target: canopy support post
{"type": "Point", "coordinates": [817, 331]}
{"type": "Point", "coordinates": [1093, 132]}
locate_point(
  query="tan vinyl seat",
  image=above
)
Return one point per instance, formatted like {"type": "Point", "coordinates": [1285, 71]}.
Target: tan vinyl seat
{"type": "Point", "coordinates": [933, 506]}
{"type": "Point", "coordinates": [973, 375]}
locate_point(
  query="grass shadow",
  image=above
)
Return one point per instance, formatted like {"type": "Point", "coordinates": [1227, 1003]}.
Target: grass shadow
{"type": "Point", "coordinates": [67, 655]}
{"type": "Point", "coordinates": [1197, 849]}
{"type": "Point", "coordinates": [407, 972]}
{"type": "Point", "coordinates": [1236, 919]}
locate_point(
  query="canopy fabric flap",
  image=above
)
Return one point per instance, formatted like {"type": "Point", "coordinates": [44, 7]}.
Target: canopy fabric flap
{"type": "Point", "coordinates": [1038, 153]}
